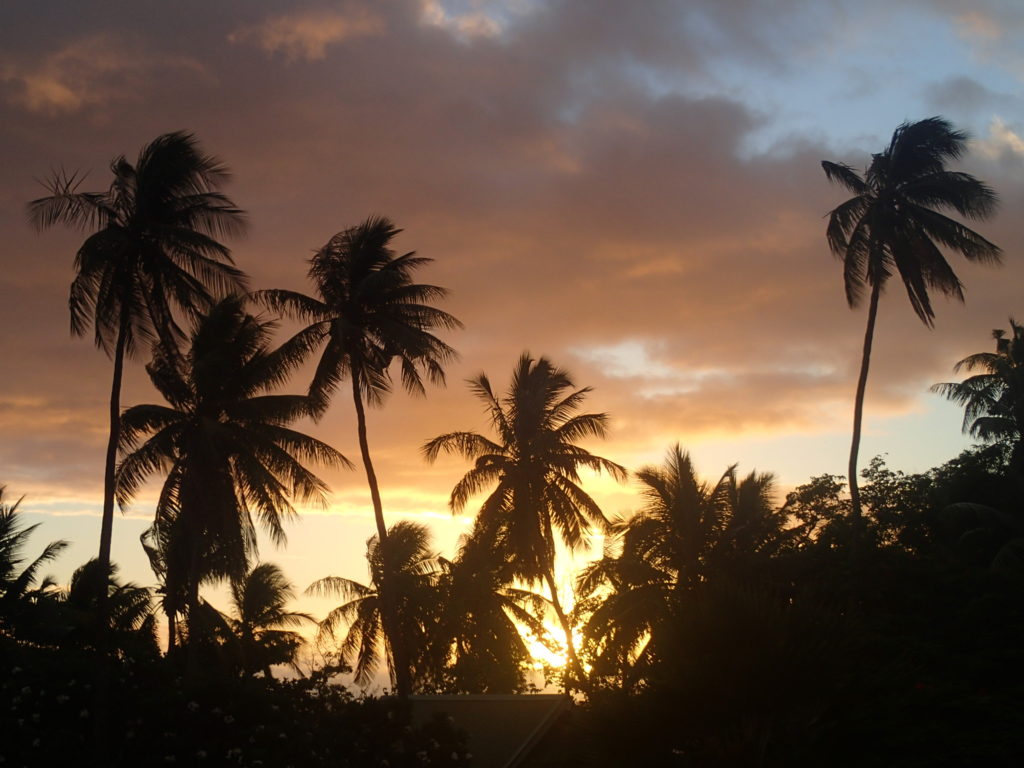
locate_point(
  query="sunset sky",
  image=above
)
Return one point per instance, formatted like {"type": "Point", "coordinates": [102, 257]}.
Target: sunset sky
{"type": "Point", "coordinates": [632, 189]}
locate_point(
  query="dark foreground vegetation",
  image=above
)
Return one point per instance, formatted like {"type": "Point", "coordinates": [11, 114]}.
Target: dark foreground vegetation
{"type": "Point", "coordinates": [881, 627]}
{"type": "Point", "coordinates": [717, 639]}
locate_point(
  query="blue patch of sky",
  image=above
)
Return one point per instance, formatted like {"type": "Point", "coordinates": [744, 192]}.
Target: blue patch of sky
{"type": "Point", "coordinates": [849, 91]}
{"type": "Point", "coordinates": [503, 13]}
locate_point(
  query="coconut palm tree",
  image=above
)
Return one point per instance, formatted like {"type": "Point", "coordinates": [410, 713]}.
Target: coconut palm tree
{"type": "Point", "coordinates": [993, 399]}
{"type": "Point", "coordinates": [369, 314]}
{"type": "Point", "coordinates": [225, 446]}
{"type": "Point", "coordinates": [688, 531]}
{"type": "Point", "coordinates": [260, 618]}
{"type": "Point", "coordinates": [479, 643]}
{"type": "Point", "coordinates": [414, 570]}
{"type": "Point", "coordinates": [153, 248]}
{"type": "Point", "coordinates": [535, 465]}
{"type": "Point", "coordinates": [894, 223]}
{"type": "Point", "coordinates": [130, 618]}
{"type": "Point", "coordinates": [20, 590]}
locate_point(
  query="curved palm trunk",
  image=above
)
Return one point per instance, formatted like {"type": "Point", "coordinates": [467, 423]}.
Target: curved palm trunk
{"type": "Point", "coordinates": [392, 634]}
{"type": "Point", "coordinates": [858, 413]}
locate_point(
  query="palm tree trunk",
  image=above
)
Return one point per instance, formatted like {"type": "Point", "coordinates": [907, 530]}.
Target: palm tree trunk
{"type": "Point", "coordinates": [858, 413]}
{"type": "Point", "coordinates": [389, 607]}
{"type": "Point", "coordinates": [192, 608]}
{"type": "Point", "coordinates": [172, 631]}
{"type": "Point", "coordinates": [110, 467]}
{"type": "Point", "coordinates": [575, 668]}
{"type": "Point", "coordinates": [102, 698]}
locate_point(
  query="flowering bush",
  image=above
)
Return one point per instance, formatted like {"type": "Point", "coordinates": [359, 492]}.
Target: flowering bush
{"type": "Point", "coordinates": [47, 711]}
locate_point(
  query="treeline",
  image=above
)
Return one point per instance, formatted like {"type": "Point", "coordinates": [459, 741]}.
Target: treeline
{"type": "Point", "coordinates": [718, 628]}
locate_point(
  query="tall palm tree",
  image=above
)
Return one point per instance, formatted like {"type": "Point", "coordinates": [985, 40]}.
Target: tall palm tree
{"type": "Point", "coordinates": [414, 569]}
{"type": "Point", "coordinates": [993, 399]}
{"type": "Point", "coordinates": [369, 314]}
{"type": "Point", "coordinates": [153, 248]}
{"type": "Point", "coordinates": [895, 223]}
{"type": "Point", "coordinates": [225, 446]}
{"type": "Point", "coordinates": [535, 466]}
{"type": "Point", "coordinates": [261, 619]}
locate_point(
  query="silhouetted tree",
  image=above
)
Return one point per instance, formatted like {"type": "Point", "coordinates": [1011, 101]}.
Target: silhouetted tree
{"type": "Point", "coordinates": [894, 223]}
{"type": "Point", "coordinates": [534, 464]}
{"type": "Point", "coordinates": [369, 314]}
{"type": "Point", "coordinates": [478, 641]}
{"type": "Point", "coordinates": [415, 569]}
{"type": "Point", "coordinates": [225, 446]}
{"type": "Point", "coordinates": [687, 531]}
{"type": "Point", "coordinates": [993, 400]}
{"type": "Point", "coordinates": [130, 619]}
{"type": "Point", "coordinates": [260, 618]}
{"type": "Point", "coordinates": [20, 588]}
{"type": "Point", "coordinates": [153, 248]}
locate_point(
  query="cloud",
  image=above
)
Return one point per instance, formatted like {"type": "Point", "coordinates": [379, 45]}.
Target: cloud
{"type": "Point", "coordinates": [979, 26]}
{"type": "Point", "coordinates": [307, 35]}
{"type": "Point", "coordinates": [89, 72]}
{"type": "Point", "coordinates": [1002, 141]}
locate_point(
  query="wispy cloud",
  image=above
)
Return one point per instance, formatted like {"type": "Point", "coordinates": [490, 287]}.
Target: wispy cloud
{"type": "Point", "coordinates": [309, 34]}
{"type": "Point", "coordinates": [88, 72]}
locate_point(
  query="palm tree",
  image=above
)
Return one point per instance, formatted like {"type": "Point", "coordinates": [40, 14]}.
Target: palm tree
{"type": "Point", "coordinates": [157, 543]}
{"type": "Point", "coordinates": [651, 558]}
{"type": "Point", "coordinates": [259, 603]}
{"type": "Point", "coordinates": [993, 399]}
{"type": "Point", "coordinates": [479, 641]}
{"type": "Point", "coordinates": [153, 248]}
{"type": "Point", "coordinates": [535, 464]}
{"type": "Point", "coordinates": [894, 223]}
{"type": "Point", "coordinates": [369, 313]}
{"type": "Point", "coordinates": [414, 569]}
{"type": "Point", "coordinates": [19, 591]}
{"type": "Point", "coordinates": [225, 446]}
{"type": "Point", "coordinates": [687, 532]}
{"type": "Point", "coordinates": [129, 617]}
